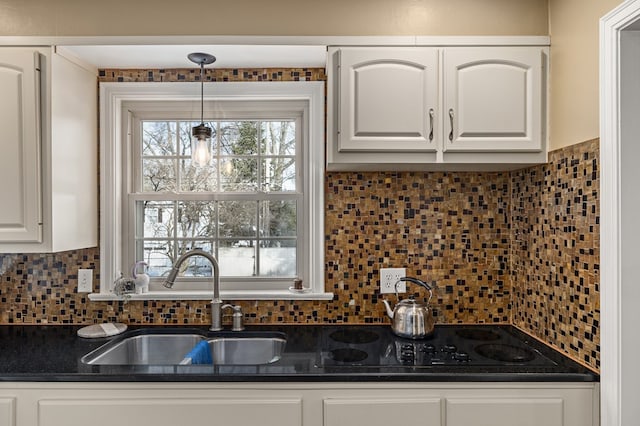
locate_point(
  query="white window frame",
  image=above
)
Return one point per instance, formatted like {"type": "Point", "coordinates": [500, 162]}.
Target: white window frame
{"type": "Point", "coordinates": [135, 113]}
{"type": "Point", "coordinates": [114, 99]}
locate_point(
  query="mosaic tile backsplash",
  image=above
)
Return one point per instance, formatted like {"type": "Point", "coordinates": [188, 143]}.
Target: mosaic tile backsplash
{"type": "Point", "coordinates": [555, 251]}
{"type": "Point", "coordinates": [517, 247]}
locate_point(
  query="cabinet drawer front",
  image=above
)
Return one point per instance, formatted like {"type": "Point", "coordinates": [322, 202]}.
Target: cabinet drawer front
{"type": "Point", "coordinates": [505, 412]}
{"type": "Point", "coordinates": [171, 412]}
{"type": "Point", "coordinates": [382, 412]}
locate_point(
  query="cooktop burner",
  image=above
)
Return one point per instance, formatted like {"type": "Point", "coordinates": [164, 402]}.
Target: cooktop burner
{"type": "Point", "coordinates": [505, 353]}
{"type": "Point", "coordinates": [362, 346]}
{"type": "Point", "coordinates": [348, 355]}
{"type": "Point", "coordinates": [357, 335]}
{"type": "Point", "coordinates": [477, 334]}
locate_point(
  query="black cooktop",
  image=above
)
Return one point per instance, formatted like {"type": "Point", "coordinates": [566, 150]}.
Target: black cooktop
{"type": "Point", "coordinates": [450, 345]}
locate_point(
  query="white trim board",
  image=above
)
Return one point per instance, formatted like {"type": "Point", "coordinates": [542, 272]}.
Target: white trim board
{"type": "Point", "coordinates": [326, 40]}
{"type": "Point", "coordinates": [619, 232]}
{"type": "Point", "coordinates": [239, 51]}
{"type": "Point", "coordinates": [112, 97]}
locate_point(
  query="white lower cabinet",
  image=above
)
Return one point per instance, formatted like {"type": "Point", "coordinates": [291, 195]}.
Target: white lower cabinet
{"type": "Point", "coordinates": [382, 411]}
{"type": "Point", "coordinates": [164, 411]}
{"type": "Point", "coordinates": [506, 412]}
{"type": "Point", "coordinates": [299, 404]}
{"type": "Point", "coordinates": [7, 410]}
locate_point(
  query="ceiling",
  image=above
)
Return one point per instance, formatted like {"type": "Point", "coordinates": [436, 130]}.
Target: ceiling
{"type": "Point", "coordinates": [175, 56]}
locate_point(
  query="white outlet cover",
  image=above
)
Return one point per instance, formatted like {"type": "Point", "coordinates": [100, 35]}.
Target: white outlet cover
{"type": "Point", "coordinates": [389, 277]}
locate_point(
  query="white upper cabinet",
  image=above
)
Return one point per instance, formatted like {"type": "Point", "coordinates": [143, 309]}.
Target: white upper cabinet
{"type": "Point", "coordinates": [493, 99]}
{"type": "Point", "coordinates": [48, 166]}
{"type": "Point", "coordinates": [21, 212]}
{"type": "Point", "coordinates": [387, 99]}
{"type": "Point", "coordinates": [436, 108]}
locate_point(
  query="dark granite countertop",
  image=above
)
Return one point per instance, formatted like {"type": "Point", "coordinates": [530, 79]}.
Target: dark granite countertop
{"type": "Point", "coordinates": [53, 353]}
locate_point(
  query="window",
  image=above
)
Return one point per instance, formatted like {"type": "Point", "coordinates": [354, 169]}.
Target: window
{"type": "Point", "coordinates": [257, 207]}
{"type": "Point", "coordinates": [243, 207]}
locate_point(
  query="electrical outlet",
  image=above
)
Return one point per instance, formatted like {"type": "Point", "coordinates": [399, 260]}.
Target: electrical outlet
{"type": "Point", "coordinates": [389, 277]}
{"type": "Point", "coordinates": [85, 280]}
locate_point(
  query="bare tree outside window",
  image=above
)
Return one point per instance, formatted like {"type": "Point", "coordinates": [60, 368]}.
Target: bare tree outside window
{"type": "Point", "coordinates": [242, 207]}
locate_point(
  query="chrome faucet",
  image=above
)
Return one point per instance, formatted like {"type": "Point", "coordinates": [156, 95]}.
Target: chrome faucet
{"type": "Point", "coordinates": [216, 303]}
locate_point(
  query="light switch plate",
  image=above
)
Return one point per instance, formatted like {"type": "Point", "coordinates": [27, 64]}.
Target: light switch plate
{"type": "Point", "coordinates": [85, 280]}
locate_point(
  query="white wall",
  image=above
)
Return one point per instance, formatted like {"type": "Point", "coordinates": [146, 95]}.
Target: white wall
{"type": "Point", "coordinates": [273, 17]}
{"type": "Point", "coordinates": [573, 26]}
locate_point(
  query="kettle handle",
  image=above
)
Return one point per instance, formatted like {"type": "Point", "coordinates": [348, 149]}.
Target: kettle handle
{"type": "Point", "coordinates": [418, 282]}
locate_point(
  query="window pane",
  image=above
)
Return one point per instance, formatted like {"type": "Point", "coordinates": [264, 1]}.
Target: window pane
{"type": "Point", "coordinates": [197, 179]}
{"type": "Point", "coordinates": [278, 174]}
{"type": "Point", "coordinates": [239, 175]}
{"type": "Point", "coordinates": [196, 266]}
{"type": "Point", "coordinates": [158, 175]}
{"type": "Point", "coordinates": [250, 157]}
{"type": "Point", "coordinates": [239, 138]}
{"type": "Point", "coordinates": [205, 245]}
{"type": "Point", "coordinates": [238, 219]}
{"type": "Point", "coordinates": [157, 254]}
{"type": "Point", "coordinates": [157, 218]}
{"type": "Point", "coordinates": [237, 258]}
{"type": "Point", "coordinates": [158, 138]}
{"type": "Point", "coordinates": [278, 218]}
{"type": "Point", "coordinates": [279, 137]}
{"type": "Point", "coordinates": [278, 258]}
{"type": "Point", "coordinates": [196, 219]}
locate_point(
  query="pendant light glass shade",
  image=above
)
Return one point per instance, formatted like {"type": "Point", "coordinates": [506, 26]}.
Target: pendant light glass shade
{"type": "Point", "coordinates": [201, 145]}
{"type": "Point", "coordinates": [201, 135]}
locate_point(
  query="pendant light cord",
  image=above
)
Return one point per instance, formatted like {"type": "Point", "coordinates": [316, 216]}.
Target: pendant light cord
{"type": "Point", "coordinates": [202, 93]}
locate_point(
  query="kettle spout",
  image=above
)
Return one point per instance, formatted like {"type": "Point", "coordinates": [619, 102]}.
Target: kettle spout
{"type": "Point", "coordinates": [388, 308]}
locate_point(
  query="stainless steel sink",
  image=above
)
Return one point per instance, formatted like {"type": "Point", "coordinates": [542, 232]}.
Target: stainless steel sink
{"type": "Point", "coordinates": [144, 349]}
{"type": "Point", "coordinates": [246, 350]}
{"type": "Point", "coordinates": [154, 348]}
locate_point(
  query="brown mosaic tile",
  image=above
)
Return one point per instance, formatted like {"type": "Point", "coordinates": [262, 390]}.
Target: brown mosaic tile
{"type": "Point", "coordinates": [42, 288]}
{"type": "Point", "coordinates": [447, 229]}
{"type": "Point", "coordinates": [519, 247]}
{"type": "Point", "coordinates": [555, 251]}
{"type": "Point", "coordinates": [211, 74]}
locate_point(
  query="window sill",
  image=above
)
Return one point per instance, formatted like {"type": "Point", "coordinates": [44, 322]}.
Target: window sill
{"type": "Point", "coordinates": [207, 295]}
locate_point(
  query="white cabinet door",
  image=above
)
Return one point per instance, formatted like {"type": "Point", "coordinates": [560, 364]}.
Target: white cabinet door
{"type": "Point", "coordinates": [48, 152]}
{"type": "Point", "coordinates": [493, 99]}
{"type": "Point", "coordinates": [382, 412]}
{"type": "Point", "coordinates": [161, 411]}
{"type": "Point", "coordinates": [7, 411]}
{"type": "Point", "coordinates": [505, 412]}
{"type": "Point", "coordinates": [387, 99]}
{"type": "Point", "coordinates": [20, 185]}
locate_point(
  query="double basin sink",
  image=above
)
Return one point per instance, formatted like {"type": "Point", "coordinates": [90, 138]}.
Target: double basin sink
{"type": "Point", "coordinates": [170, 347]}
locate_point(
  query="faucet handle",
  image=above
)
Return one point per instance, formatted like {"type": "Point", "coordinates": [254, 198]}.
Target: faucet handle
{"type": "Point", "coordinates": [237, 317]}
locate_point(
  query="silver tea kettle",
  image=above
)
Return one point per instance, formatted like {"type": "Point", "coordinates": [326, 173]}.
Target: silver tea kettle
{"type": "Point", "coordinates": [409, 318]}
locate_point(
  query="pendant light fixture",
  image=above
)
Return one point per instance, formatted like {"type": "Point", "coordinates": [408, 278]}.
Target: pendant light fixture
{"type": "Point", "coordinates": [201, 141]}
